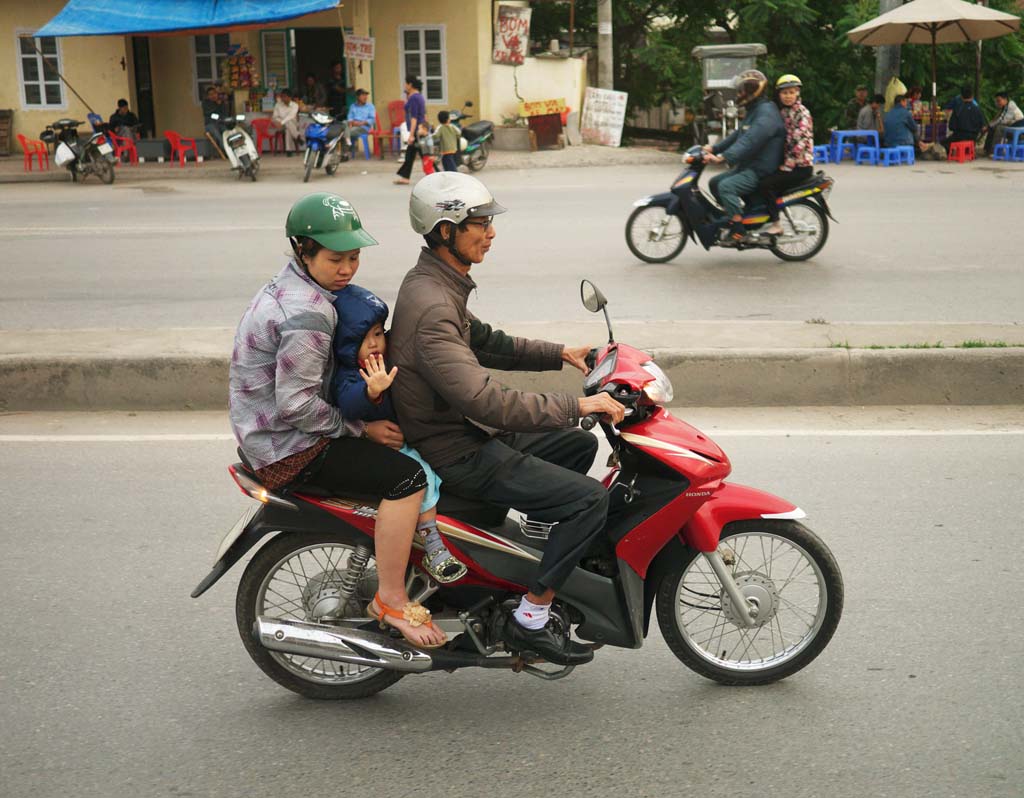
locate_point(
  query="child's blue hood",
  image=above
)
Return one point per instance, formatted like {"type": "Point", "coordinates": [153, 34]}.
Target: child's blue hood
{"type": "Point", "coordinates": [358, 310]}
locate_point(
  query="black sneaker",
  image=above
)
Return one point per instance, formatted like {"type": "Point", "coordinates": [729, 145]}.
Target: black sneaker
{"type": "Point", "coordinates": [545, 644]}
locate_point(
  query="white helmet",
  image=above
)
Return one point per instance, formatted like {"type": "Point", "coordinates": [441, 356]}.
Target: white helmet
{"type": "Point", "coordinates": [449, 197]}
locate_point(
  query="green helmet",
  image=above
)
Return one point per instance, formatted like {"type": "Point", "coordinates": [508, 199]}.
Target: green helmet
{"type": "Point", "coordinates": [329, 220]}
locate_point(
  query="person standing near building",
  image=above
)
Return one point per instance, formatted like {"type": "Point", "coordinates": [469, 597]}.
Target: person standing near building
{"type": "Point", "coordinates": [416, 120]}
{"type": "Point", "coordinates": [448, 141]}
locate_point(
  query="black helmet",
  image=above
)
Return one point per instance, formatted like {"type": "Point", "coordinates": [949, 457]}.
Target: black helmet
{"type": "Point", "coordinates": [749, 85]}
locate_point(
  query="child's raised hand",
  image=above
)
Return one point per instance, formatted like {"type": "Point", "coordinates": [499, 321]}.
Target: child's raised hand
{"type": "Point", "coordinates": [376, 376]}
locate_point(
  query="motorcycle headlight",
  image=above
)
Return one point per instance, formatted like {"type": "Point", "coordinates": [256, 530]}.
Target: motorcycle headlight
{"type": "Point", "coordinates": [731, 111]}
{"type": "Point", "coordinates": [659, 390]}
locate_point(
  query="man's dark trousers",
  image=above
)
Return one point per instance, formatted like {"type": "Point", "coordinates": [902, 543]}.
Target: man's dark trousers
{"type": "Point", "coordinates": [542, 474]}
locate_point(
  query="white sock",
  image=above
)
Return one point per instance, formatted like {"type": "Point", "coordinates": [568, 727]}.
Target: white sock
{"type": "Point", "coordinates": [530, 615]}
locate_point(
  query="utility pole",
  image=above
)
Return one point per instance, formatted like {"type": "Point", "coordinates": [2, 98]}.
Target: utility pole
{"type": "Point", "coordinates": [977, 62]}
{"type": "Point", "coordinates": [887, 57]}
{"type": "Point", "coordinates": [605, 66]}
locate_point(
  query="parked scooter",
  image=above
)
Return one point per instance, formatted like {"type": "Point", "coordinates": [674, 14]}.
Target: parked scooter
{"type": "Point", "coordinates": [474, 140]}
{"type": "Point", "coordinates": [743, 592]}
{"type": "Point", "coordinates": [95, 157]}
{"type": "Point", "coordinates": [324, 144]}
{"type": "Point", "coordinates": [238, 146]}
{"type": "Point", "coordinates": [657, 230]}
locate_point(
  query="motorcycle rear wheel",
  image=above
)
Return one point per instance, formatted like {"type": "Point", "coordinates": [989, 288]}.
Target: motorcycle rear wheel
{"type": "Point", "coordinates": [478, 158]}
{"type": "Point", "coordinates": [793, 576]}
{"type": "Point", "coordinates": [643, 228]}
{"type": "Point", "coordinates": [806, 217]}
{"type": "Point", "coordinates": [333, 161]}
{"type": "Point", "coordinates": [104, 170]}
{"type": "Point", "coordinates": [288, 576]}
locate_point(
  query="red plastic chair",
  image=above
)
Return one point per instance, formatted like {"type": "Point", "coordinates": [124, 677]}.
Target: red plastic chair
{"type": "Point", "coordinates": [181, 145]}
{"type": "Point", "coordinates": [262, 128]}
{"type": "Point", "coordinates": [961, 151]}
{"type": "Point", "coordinates": [36, 148]}
{"type": "Point", "coordinates": [396, 118]}
{"type": "Point", "coordinates": [124, 144]}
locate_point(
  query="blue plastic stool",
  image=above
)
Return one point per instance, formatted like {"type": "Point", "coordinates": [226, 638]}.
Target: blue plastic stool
{"type": "Point", "coordinates": [907, 155]}
{"type": "Point", "coordinates": [821, 153]}
{"type": "Point", "coordinates": [1018, 152]}
{"type": "Point", "coordinates": [867, 154]}
{"type": "Point", "coordinates": [889, 156]}
{"type": "Point", "coordinates": [839, 151]}
{"type": "Point", "coordinates": [366, 144]}
{"type": "Point", "coordinates": [1001, 152]}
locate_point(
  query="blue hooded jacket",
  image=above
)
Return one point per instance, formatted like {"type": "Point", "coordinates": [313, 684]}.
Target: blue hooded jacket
{"type": "Point", "coordinates": [358, 310]}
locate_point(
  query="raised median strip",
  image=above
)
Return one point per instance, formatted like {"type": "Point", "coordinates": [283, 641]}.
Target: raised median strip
{"type": "Point", "coordinates": [741, 364]}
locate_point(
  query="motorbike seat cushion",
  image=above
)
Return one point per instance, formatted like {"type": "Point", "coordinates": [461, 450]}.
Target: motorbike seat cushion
{"type": "Point", "coordinates": [471, 511]}
{"type": "Point", "coordinates": [476, 130]}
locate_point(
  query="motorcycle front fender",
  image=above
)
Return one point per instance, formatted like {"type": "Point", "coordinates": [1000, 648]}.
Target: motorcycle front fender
{"type": "Point", "coordinates": [667, 200]}
{"type": "Point", "coordinates": [733, 503]}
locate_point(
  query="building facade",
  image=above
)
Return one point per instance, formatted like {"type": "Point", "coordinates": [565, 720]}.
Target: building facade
{"type": "Point", "coordinates": [447, 43]}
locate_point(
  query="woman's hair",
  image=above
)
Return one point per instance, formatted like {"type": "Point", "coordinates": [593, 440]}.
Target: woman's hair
{"type": "Point", "coordinates": [305, 248]}
{"type": "Point", "coordinates": [415, 82]}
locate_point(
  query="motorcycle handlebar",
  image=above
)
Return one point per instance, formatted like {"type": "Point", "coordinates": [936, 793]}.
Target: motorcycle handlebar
{"type": "Point", "coordinates": [589, 421]}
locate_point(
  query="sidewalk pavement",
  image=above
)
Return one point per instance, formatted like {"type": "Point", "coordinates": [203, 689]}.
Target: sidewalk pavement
{"type": "Point", "coordinates": [279, 167]}
{"type": "Point", "coordinates": [711, 364]}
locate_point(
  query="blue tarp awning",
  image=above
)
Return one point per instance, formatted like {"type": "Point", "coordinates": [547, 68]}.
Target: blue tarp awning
{"type": "Point", "coordinates": [122, 17]}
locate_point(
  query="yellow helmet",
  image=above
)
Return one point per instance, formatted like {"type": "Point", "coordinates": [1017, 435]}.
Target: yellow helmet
{"type": "Point", "coordinates": [788, 82]}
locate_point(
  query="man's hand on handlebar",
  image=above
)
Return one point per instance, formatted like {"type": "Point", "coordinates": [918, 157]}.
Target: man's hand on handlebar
{"type": "Point", "coordinates": [602, 404]}
{"type": "Point", "coordinates": [576, 356]}
{"type": "Point", "coordinates": [385, 433]}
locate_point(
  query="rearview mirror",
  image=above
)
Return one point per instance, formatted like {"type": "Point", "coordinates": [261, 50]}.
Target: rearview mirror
{"type": "Point", "coordinates": [469, 103]}
{"type": "Point", "coordinates": [593, 299]}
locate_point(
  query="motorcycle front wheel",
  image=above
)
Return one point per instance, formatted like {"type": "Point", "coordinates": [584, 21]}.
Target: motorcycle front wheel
{"type": "Point", "coordinates": [310, 161]}
{"type": "Point", "coordinates": [477, 160]}
{"type": "Point", "coordinates": [783, 569]}
{"type": "Point", "coordinates": [804, 232]}
{"type": "Point", "coordinates": [297, 576]}
{"type": "Point", "coordinates": [653, 235]}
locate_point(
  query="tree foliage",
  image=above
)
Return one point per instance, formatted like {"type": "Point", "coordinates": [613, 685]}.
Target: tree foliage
{"type": "Point", "coordinates": [653, 39]}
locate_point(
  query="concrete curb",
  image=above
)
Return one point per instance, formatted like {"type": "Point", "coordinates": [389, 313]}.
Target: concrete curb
{"type": "Point", "coordinates": [702, 377]}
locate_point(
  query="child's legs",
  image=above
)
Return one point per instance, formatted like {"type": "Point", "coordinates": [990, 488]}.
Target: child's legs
{"type": "Point", "coordinates": [448, 163]}
{"type": "Point", "coordinates": [428, 507]}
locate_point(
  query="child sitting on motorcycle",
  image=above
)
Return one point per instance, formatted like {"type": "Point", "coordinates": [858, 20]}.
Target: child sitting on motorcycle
{"type": "Point", "coordinates": [361, 393]}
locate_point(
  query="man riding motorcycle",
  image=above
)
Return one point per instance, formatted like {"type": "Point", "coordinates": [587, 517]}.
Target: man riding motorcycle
{"type": "Point", "coordinates": [753, 152]}
{"type": "Point", "coordinates": [487, 442]}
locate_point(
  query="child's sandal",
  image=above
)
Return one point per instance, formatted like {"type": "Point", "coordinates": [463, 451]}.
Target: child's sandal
{"type": "Point", "coordinates": [443, 567]}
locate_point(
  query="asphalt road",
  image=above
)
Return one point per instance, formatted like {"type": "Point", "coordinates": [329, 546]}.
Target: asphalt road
{"type": "Point", "coordinates": [113, 682]}
{"type": "Point", "coordinates": [928, 243]}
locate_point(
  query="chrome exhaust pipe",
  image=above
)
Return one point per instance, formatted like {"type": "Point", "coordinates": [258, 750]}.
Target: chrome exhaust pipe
{"type": "Point", "coordinates": [340, 644]}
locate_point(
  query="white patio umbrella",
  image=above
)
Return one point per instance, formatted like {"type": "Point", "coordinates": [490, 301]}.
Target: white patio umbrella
{"type": "Point", "coordinates": [935, 22]}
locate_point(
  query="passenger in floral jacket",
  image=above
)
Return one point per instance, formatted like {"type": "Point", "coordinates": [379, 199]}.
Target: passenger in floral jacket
{"type": "Point", "coordinates": [798, 154]}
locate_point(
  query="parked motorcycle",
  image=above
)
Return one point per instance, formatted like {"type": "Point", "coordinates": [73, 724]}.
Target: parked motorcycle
{"type": "Point", "coordinates": [238, 146]}
{"type": "Point", "coordinates": [658, 229]}
{"type": "Point", "coordinates": [324, 144]}
{"type": "Point", "coordinates": [94, 157]}
{"type": "Point", "coordinates": [742, 591]}
{"type": "Point", "coordinates": [474, 140]}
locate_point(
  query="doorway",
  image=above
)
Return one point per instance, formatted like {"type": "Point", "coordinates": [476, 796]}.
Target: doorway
{"type": "Point", "coordinates": [143, 85]}
{"type": "Point", "coordinates": [315, 50]}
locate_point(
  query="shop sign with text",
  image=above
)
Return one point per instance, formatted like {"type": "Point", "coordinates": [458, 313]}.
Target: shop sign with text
{"type": "Point", "coordinates": [512, 35]}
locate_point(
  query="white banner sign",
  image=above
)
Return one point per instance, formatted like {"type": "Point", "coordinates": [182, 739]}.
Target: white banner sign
{"type": "Point", "coordinates": [512, 35]}
{"type": "Point", "coordinates": [604, 113]}
{"type": "Point", "coordinates": [360, 47]}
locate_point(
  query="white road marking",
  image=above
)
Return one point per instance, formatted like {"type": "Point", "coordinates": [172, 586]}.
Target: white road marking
{"type": "Point", "coordinates": [134, 230]}
{"type": "Point", "coordinates": [752, 433]}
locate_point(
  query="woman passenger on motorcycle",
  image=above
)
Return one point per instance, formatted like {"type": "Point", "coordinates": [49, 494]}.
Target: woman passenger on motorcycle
{"type": "Point", "coordinates": [798, 153]}
{"type": "Point", "coordinates": [280, 375]}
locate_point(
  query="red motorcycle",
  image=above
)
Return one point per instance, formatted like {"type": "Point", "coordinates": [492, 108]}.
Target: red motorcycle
{"type": "Point", "coordinates": [744, 593]}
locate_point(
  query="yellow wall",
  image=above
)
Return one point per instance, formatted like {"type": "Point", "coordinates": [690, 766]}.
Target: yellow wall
{"type": "Point", "coordinates": [538, 79]}
{"type": "Point", "coordinates": [91, 64]}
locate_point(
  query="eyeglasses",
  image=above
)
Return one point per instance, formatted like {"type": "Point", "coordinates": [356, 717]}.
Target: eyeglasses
{"type": "Point", "coordinates": [485, 222]}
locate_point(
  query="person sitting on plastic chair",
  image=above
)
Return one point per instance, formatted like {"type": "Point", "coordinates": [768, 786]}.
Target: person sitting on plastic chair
{"type": "Point", "coordinates": [362, 116]}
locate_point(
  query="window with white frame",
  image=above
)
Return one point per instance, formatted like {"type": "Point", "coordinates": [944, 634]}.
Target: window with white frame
{"type": "Point", "coordinates": [210, 54]}
{"type": "Point", "coordinates": [422, 54]}
{"type": "Point", "coordinates": [41, 86]}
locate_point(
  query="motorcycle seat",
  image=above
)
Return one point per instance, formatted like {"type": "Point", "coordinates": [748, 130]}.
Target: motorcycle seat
{"type": "Point", "coordinates": [471, 511]}
{"type": "Point", "coordinates": [477, 129]}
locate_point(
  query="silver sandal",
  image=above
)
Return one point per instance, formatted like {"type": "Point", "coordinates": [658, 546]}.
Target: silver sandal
{"type": "Point", "coordinates": [443, 567]}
